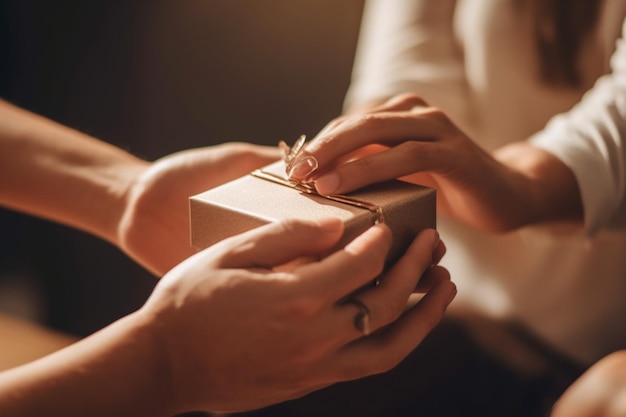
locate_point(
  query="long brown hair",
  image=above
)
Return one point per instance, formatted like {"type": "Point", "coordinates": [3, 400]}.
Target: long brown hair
{"type": "Point", "coordinates": [560, 29]}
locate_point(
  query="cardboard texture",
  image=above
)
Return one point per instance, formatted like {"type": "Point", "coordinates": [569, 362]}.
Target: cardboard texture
{"type": "Point", "coordinates": [249, 202]}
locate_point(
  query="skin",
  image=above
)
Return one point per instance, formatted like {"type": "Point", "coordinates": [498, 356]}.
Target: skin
{"type": "Point", "coordinates": [500, 191]}
{"type": "Point", "coordinates": [600, 392]}
{"type": "Point", "coordinates": [514, 186]}
{"type": "Point", "coordinates": [103, 190]}
{"type": "Point", "coordinates": [253, 320]}
{"type": "Point", "coordinates": [182, 350]}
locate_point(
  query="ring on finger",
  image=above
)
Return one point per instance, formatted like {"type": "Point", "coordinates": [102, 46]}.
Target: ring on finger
{"type": "Point", "coordinates": [362, 319]}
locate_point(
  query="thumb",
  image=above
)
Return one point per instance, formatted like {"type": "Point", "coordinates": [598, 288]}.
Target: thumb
{"type": "Point", "coordinates": [278, 243]}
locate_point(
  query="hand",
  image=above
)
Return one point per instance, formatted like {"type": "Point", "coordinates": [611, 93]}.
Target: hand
{"type": "Point", "coordinates": [154, 228]}
{"type": "Point", "coordinates": [599, 392]}
{"type": "Point", "coordinates": [516, 185]}
{"type": "Point", "coordinates": [65, 176]}
{"type": "Point", "coordinates": [242, 325]}
{"type": "Point", "coordinates": [242, 333]}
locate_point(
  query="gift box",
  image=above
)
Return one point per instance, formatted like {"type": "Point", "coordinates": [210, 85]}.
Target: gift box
{"type": "Point", "coordinates": [266, 196]}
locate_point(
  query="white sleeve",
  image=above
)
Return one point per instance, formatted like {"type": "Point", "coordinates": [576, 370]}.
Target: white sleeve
{"type": "Point", "coordinates": [408, 46]}
{"type": "Point", "coordinates": [591, 140]}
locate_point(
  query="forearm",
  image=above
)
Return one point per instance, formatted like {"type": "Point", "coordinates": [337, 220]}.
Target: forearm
{"type": "Point", "coordinates": [115, 372]}
{"type": "Point", "coordinates": [60, 174]}
{"type": "Point", "coordinates": [547, 190]}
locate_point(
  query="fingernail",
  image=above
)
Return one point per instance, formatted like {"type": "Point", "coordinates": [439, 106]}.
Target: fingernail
{"type": "Point", "coordinates": [327, 184]}
{"type": "Point", "coordinates": [303, 168]}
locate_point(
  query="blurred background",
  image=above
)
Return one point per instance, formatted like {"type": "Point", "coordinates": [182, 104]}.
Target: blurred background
{"type": "Point", "coordinates": [155, 77]}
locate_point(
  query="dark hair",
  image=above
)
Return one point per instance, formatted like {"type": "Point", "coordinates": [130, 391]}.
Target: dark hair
{"type": "Point", "coordinates": [560, 29]}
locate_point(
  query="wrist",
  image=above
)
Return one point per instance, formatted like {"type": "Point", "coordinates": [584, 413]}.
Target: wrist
{"type": "Point", "coordinates": [172, 360]}
{"type": "Point", "coordinates": [133, 367]}
{"type": "Point", "coordinates": [549, 188]}
{"type": "Point", "coordinates": [63, 175]}
{"type": "Point", "coordinates": [122, 184]}
{"type": "Point", "coordinates": [154, 369]}
{"type": "Point", "coordinates": [116, 371]}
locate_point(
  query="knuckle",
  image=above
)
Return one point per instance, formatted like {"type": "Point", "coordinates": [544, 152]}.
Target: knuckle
{"type": "Point", "coordinates": [436, 112]}
{"type": "Point", "coordinates": [364, 164]}
{"type": "Point", "coordinates": [412, 148]}
{"type": "Point", "coordinates": [410, 100]}
{"type": "Point", "coordinates": [328, 132]}
{"type": "Point", "coordinates": [329, 136]}
{"type": "Point", "coordinates": [368, 119]}
{"type": "Point", "coordinates": [417, 152]}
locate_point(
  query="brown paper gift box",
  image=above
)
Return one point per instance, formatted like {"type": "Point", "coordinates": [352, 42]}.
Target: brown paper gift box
{"type": "Point", "coordinates": [250, 201]}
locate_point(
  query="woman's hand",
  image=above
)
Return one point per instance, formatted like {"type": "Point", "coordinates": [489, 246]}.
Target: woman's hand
{"type": "Point", "coordinates": [516, 185]}
{"type": "Point", "coordinates": [241, 332]}
{"type": "Point", "coordinates": [154, 227]}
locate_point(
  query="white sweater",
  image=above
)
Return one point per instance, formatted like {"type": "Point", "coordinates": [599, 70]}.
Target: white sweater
{"type": "Point", "coordinates": [475, 59]}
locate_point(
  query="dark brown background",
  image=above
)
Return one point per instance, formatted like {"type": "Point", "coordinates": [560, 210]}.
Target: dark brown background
{"type": "Point", "coordinates": [155, 77]}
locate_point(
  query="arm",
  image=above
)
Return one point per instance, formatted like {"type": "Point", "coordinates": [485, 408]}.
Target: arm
{"type": "Point", "coordinates": [590, 140]}
{"type": "Point", "coordinates": [54, 172]}
{"type": "Point", "coordinates": [116, 371]}
{"type": "Point", "coordinates": [182, 351]}
{"type": "Point", "coordinates": [573, 170]}
{"type": "Point", "coordinates": [405, 137]}
{"type": "Point", "coordinates": [63, 175]}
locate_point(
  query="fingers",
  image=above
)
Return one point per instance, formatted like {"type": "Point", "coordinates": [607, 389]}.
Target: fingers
{"type": "Point", "coordinates": [405, 123]}
{"type": "Point", "coordinates": [195, 170]}
{"type": "Point", "coordinates": [330, 279]}
{"type": "Point", "coordinates": [387, 301]}
{"type": "Point", "coordinates": [359, 130]}
{"type": "Point", "coordinates": [384, 350]}
{"type": "Point", "coordinates": [439, 252]}
{"type": "Point", "coordinates": [432, 277]}
{"type": "Point", "coordinates": [350, 268]}
{"type": "Point", "coordinates": [278, 243]}
{"type": "Point", "coordinates": [401, 102]}
{"type": "Point", "coordinates": [406, 158]}
{"type": "Point", "coordinates": [384, 128]}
